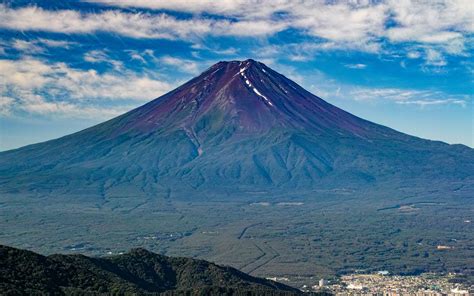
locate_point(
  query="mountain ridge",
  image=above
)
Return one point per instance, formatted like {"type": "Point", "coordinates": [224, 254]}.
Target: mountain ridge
{"type": "Point", "coordinates": [137, 272]}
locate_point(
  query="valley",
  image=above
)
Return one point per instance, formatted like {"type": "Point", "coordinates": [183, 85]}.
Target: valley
{"type": "Point", "coordinates": [301, 236]}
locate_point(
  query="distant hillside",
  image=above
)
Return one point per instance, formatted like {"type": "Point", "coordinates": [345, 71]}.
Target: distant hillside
{"type": "Point", "coordinates": [138, 272]}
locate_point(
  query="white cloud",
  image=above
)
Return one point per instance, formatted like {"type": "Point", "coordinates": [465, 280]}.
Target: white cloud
{"type": "Point", "coordinates": [356, 66]}
{"type": "Point", "coordinates": [96, 56]}
{"type": "Point", "coordinates": [441, 37]}
{"type": "Point", "coordinates": [360, 25]}
{"type": "Point", "coordinates": [392, 94]}
{"type": "Point", "coordinates": [6, 104]}
{"type": "Point", "coordinates": [136, 56]}
{"type": "Point", "coordinates": [100, 56]}
{"type": "Point", "coordinates": [298, 57]}
{"type": "Point", "coordinates": [325, 87]}
{"type": "Point", "coordinates": [70, 21]}
{"type": "Point", "coordinates": [227, 51]}
{"type": "Point", "coordinates": [413, 55]}
{"type": "Point", "coordinates": [249, 28]}
{"type": "Point", "coordinates": [407, 96]}
{"type": "Point", "coordinates": [27, 47]}
{"type": "Point", "coordinates": [237, 8]}
{"type": "Point", "coordinates": [36, 104]}
{"type": "Point", "coordinates": [143, 56]}
{"type": "Point", "coordinates": [431, 21]}
{"type": "Point", "coordinates": [440, 26]}
{"type": "Point", "coordinates": [56, 43]}
{"type": "Point", "coordinates": [40, 87]}
{"type": "Point", "coordinates": [423, 103]}
{"type": "Point", "coordinates": [183, 65]}
{"type": "Point", "coordinates": [342, 22]}
{"type": "Point", "coordinates": [435, 58]}
{"type": "Point", "coordinates": [35, 46]}
{"type": "Point", "coordinates": [136, 25]}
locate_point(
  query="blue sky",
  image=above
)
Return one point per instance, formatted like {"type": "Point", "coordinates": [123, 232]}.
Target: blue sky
{"type": "Point", "coordinates": [66, 65]}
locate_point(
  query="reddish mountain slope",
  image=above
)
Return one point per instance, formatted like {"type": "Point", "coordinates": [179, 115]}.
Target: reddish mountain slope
{"type": "Point", "coordinates": [238, 127]}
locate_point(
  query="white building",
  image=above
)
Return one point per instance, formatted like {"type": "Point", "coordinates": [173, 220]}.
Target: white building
{"type": "Point", "coordinates": [322, 283]}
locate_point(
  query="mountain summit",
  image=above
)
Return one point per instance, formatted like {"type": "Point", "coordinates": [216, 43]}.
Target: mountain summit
{"type": "Point", "coordinates": [238, 127]}
{"type": "Point", "coordinates": [248, 97]}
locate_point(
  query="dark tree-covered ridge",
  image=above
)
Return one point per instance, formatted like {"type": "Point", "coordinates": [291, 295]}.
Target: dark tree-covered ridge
{"type": "Point", "coordinates": [138, 272]}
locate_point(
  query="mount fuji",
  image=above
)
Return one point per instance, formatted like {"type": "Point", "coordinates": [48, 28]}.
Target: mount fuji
{"type": "Point", "coordinates": [239, 127]}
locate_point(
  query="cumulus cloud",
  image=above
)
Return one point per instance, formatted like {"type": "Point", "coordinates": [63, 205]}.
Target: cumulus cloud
{"type": "Point", "coordinates": [344, 25]}
{"type": "Point", "coordinates": [70, 21]}
{"type": "Point", "coordinates": [341, 22]}
{"type": "Point", "coordinates": [440, 27]}
{"type": "Point", "coordinates": [360, 25]}
{"type": "Point", "coordinates": [36, 86]}
{"type": "Point", "coordinates": [136, 25]}
{"type": "Point", "coordinates": [430, 21]}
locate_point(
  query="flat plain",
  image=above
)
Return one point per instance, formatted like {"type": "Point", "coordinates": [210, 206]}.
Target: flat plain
{"type": "Point", "coordinates": [318, 234]}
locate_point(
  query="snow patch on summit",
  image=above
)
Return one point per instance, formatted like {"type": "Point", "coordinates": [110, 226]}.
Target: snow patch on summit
{"type": "Point", "coordinates": [264, 97]}
{"type": "Point", "coordinates": [249, 84]}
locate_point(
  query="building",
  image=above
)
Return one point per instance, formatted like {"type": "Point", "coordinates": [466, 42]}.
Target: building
{"type": "Point", "coordinates": [322, 283]}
